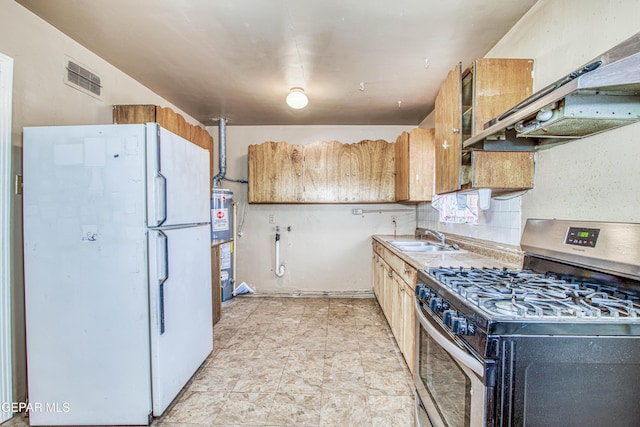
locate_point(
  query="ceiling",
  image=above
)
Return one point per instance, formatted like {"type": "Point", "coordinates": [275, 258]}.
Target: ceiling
{"type": "Point", "coordinates": [373, 62]}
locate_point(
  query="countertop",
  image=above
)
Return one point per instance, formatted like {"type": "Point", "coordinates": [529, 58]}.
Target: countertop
{"type": "Point", "coordinates": [473, 253]}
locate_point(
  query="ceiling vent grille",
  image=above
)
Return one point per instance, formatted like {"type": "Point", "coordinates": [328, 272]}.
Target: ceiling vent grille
{"type": "Point", "coordinates": [81, 78]}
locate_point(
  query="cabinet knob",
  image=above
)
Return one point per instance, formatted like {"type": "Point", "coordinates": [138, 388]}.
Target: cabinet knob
{"type": "Point", "coordinates": [299, 174]}
{"type": "Point", "coordinates": [391, 274]}
{"type": "Point", "coordinates": [456, 130]}
{"type": "Point", "coordinates": [406, 270]}
{"type": "Point", "coordinates": [346, 174]}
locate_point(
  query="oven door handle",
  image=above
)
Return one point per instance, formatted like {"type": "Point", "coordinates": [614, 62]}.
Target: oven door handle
{"type": "Point", "coordinates": [456, 352]}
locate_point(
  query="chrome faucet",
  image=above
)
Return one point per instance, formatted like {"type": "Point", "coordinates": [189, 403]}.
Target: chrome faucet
{"type": "Point", "coordinates": [438, 235]}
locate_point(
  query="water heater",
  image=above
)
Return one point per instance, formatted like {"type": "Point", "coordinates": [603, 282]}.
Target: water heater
{"type": "Point", "coordinates": [222, 232]}
{"type": "Point", "coordinates": [221, 215]}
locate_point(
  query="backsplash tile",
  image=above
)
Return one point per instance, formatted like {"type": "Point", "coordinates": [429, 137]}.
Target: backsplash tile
{"type": "Point", "coordinates": [502, 222]}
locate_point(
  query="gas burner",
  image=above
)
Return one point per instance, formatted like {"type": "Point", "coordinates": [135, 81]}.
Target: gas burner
{"type": "Point", "coordinates": [525, 294]}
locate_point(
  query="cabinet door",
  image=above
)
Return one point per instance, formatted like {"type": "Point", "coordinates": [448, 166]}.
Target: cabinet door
{"type": "Point", "coordinates": [326, 168]}
{"type": "Point", "coordinates": [372, 167]}
{"type": "Point", "coordinates": [502, 171]}
{"type": "Point", "coordinates": [415, 165]}
{"type": "Point", "coordinates": [499, 85]}
{"type": "Point", "coordinates": [377, 278]}
{"type": "Point", "coordinates": [216, 291]}
{"type": "Point", "coordinates": [388, 291]}
{"type": "Point", "coordinates": [173, 122]}
{"type": "Point", "coordinates": [275, 173]}
{"type": "Point", "coordinates": [409, 326]}
{"type": "Point", "coordinates": [402, 167]}
{"type": "Point", "coordinates": [447, 132]}
{"type": "Point", "coordinates": [396, 291]}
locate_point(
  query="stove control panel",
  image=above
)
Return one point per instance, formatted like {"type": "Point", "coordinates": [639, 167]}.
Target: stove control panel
{"type": "Point", "coordinates": [582, 236]}
{"type": "Point", "coordinates": [439, 307]}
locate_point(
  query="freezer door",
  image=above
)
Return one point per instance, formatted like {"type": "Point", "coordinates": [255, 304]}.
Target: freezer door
{"type": "Point", "coordinates": [86, 293]}
{"type": "Point", "coordinates": [181, 317]}
{"type": "Point", "coordinates": [177, 180]}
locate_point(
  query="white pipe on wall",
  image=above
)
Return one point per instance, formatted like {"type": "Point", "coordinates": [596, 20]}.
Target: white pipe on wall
{"type": "Point", "coordinates": [279, 269]}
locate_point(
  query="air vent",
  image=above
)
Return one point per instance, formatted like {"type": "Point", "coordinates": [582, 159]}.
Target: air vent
{"type": "Point", "coordinates": [81, 78]}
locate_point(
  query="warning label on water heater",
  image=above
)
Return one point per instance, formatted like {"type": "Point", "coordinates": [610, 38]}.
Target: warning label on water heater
{"type": "Point", "coordinates": [220, 219]}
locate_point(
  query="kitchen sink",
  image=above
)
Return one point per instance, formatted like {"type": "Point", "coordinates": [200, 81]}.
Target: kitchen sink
{"type": "Point", "coordinates": [420, 246]}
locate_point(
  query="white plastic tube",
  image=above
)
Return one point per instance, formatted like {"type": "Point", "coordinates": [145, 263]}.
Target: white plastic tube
{"type": "Point", "coordinates": [279, 269]}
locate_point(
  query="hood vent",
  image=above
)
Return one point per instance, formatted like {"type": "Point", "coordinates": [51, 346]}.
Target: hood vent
{"type": "Point", "coordinates": [602, 95]}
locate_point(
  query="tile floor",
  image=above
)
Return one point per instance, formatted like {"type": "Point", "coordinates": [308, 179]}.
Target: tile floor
{"type": "Point", "coordinates": [297, 362]}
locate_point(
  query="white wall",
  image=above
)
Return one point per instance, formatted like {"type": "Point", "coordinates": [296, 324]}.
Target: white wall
{"type": "Point", "coordinates": [328, 248]}
{"type": "Point", "coordinates": [594, 178]}
{"type": "Point", "coordinates": [41, 98]}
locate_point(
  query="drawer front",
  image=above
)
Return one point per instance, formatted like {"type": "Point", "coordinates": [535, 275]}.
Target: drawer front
{"type": "Point", "coordinates": [409, 274]}
{"type": "Point", "coordinates": [401, 268]}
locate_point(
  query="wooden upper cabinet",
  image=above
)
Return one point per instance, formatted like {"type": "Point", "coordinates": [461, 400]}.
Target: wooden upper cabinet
{"type": "Point", "coordinates": [275, 173]}
{"type": "Point", "coordinates": [467, 100]}
{"type": "Point", "coordinates": [490, 86]}
{"type": "Point", "coordinates": [325, 179]}
{"type": "Point", "coordinates": [415, 165]}
{"type": "Point", "coordinates": [165, 117]}
{"type": "Point", "coordinates": [501, 171]}
{"type": "Point", "coordinates": [448, 134]}
{"type": "Point", "coordinates": [323, 172]}
{"type": "Point", "coordinates": [372, 169]}
{"type": "Point", "coordinates": [402, 167]}
{"type": "Point", "coordinates": [169, 120]}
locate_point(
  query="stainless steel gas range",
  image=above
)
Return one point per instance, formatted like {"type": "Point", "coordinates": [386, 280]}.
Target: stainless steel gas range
{"type": "Point", "coordinates": [554, 344]}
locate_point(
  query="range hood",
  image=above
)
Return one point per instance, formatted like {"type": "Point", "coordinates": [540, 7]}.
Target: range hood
{"type": "Point", "coordinates": [601, 95]}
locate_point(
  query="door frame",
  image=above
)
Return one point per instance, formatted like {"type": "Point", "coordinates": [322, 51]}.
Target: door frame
{"type": "Point", "coordinates": [6, 92]}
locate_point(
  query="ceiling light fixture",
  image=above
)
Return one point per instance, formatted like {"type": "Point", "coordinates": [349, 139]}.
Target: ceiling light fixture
{"type": "Point", "coordinates": [297, 99]}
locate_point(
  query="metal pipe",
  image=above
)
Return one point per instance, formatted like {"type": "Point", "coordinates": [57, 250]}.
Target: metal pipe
{"type": "Point", "coordinates": [222, 151]}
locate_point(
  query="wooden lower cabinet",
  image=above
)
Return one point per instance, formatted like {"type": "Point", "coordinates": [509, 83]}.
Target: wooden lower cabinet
{"type": "Point", "coordinates": [395, 296]}
{"type": "Point", "coordinates": [409, 326]}
{"type": "Point", "coordinates": [216, 291]}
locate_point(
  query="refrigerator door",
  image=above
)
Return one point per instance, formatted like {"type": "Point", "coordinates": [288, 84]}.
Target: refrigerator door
{"type": "Point", "coordinates": [181, 317]}
{"type": "Point", "coordinates": [86, 289]}
{"type": "Point", "coordinates": [177, 180]}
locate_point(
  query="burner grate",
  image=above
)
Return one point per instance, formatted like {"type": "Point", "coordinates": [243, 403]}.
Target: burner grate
{"type": "Point", "coordinates": [525, 294]}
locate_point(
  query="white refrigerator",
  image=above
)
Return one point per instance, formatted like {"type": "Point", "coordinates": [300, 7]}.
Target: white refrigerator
{"type": "Point", "coordinates": [117, 256]}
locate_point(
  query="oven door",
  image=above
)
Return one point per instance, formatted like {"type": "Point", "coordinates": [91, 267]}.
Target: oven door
{"type": "Point", "coordinates": [448, 378]}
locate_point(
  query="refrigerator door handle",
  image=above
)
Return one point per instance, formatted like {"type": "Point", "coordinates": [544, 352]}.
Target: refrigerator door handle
{"type": "Point", "coordinates": [163, 274]}
{"type": "Point", "coordinates": [161, 198]}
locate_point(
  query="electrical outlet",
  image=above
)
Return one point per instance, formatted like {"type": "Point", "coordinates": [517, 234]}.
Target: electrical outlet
{"type": "Point", "coordinates": [272, 219]}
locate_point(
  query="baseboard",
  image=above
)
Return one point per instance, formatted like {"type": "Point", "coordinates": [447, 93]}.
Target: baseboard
{"type": "Point", "coordinates": [311, 294]}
